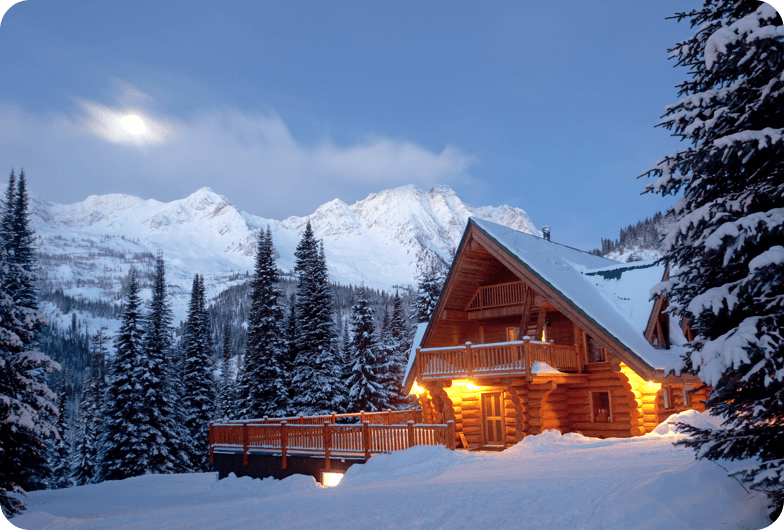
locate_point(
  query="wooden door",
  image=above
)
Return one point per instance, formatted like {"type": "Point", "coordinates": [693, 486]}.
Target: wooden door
{"type": "Point", "coordinates": [493, 418]}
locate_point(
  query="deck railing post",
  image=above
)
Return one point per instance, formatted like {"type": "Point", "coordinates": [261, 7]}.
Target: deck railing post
{"type": "Point", "coordinates": [327, 446]}
{"type": "Point", "coordinates": [366, 438]}
{"type": "Point", "coordinates": [552, 354]}
{"type": "Point", "coordinates": [389, 416]}
{"type": "Point", "coordinates": [302, 419]}
{"type": "Point", "coordinates": [245, 439]}
{"type": "Point", "coordinates": [284, 439]}
{"type": "Point", "coordinates": [450, 435]}
{"type": "Point", "coordinates": [527, 356]}
{"type": "Point", "coordinates": [419, 365]}
{"type": "Point", "coordinates": [212, 443]}
{"type": "Point", "coordinates": [410, 429]}
{"type": "Point", "coordinates": [469, 359]}
{"type": "Point", "coordinates": [333, 417]}
{"type": "Point", "coordinates": [361, 416]}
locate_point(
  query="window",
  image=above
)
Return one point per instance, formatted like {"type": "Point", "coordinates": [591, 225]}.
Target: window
{"type": "Point", "coordinates": [600, 407]}
{"type": "Point", "coordinates": [686, 389]}
{"type": "Point", "coordinates": [594, 350]}
{"type": "Point", "coordinates": [666, 396]}
{"type": "Point", "coordinates": [512, 334]}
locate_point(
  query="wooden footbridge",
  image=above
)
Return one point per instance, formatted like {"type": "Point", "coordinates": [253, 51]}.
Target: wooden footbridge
{"type": "Point", "coordinates": [280, 447]}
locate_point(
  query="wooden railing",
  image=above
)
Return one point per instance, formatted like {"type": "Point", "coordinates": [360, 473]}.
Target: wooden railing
{"type": "Point", "coordinates": [503, 294]}
{"type": "Point", "coordinates": [503, 358]}
{"type": "Point", "coordinates": [384, 417]}
{"type": "Point", "coordinates": [362, 440]}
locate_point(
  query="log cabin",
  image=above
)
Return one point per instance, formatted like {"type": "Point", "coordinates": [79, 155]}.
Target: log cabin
{"type": "Point", "coordinates": [530, 335]}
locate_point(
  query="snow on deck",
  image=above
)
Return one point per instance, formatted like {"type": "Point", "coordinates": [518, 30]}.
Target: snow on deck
{"type": "Point", "coordinates": [546, 481]}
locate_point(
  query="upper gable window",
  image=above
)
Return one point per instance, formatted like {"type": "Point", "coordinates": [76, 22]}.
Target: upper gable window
{"type": "Point", "coordinates": [595, 351]}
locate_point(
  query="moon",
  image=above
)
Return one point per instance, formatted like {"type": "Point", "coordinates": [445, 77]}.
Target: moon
{"type": "Point", "coordinates": [133, 124]}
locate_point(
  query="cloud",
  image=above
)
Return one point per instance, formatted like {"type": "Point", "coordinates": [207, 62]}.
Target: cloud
{"type": "Point", "coordinates": [253, 159]}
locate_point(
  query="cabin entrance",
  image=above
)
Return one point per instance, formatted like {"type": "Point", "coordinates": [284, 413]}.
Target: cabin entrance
{"type": "Point", "coordinates": [493, 418]}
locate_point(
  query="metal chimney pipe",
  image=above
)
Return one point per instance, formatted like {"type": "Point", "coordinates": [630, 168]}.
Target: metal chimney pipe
{"type": "Point", "coordinates": [546, 232]}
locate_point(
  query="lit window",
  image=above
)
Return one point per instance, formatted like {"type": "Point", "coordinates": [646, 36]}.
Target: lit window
{"type": "Point", "coordinates": [600, 407]}
{"type": "Point", "coordinates": [329, 479]}
{"type": "Point", "coordinates": [511, 334]}
{"type": "Point", "coordinates": [666, 395]}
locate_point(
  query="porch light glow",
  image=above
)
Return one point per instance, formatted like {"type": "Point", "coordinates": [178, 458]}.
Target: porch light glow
{"type": "Point", "coordinates": [329, 479]}
{"type": "Point", "coordinates": [416, 390]}
{"type": "Point", "coordinates": [467, 384]}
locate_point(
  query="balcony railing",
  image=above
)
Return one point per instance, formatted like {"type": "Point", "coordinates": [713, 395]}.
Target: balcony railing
{"type": "Point", "coordinates": [503, 358]}
{"type": "Point", "coordinates": [503, 294]}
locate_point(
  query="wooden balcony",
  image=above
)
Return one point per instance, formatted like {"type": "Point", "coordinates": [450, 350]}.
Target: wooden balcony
{"type": "Point", "coordinates": [503, 358]}
{"type": "Point", "coordinates": [492, 296]}
{"type": "Point", "coordinates": [321, 436]}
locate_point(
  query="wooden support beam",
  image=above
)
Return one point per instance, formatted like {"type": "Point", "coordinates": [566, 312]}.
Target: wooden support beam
{"type": "Point", "coordinates": [211, 442]}
{"type": "Point", "coordinates": [410, 430]}
{"type": "Point", "coordinates": [245, 438]}
{"type": "Point", "coordinates": [284, 441]}
{"type": "Point", "coordinates": [366, 439]}
{"type": "Point", "coordinates": [327, 446]}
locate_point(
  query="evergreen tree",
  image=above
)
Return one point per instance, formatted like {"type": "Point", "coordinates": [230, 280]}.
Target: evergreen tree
{"type": "Point", "coordinates": [291, 329]}
{"type": "Point", "coordinates": [122, 454]}
{"type": "Point", "coordinates": [724, 251]}
{"type": "Point", "coordinates": [267, 393]}
{"type": "Point", "coordinates": [366, 390]}
{"type": "Point", "coordinates": [26, 403]}
{"type": "Point", "coordinates": [199, 383]}
{"type": "Point", "coordinates": [317, 387]}
{"type": "Point", "coordinates": [85, 453]}
{"type": "Point", "coordinates": [227, 399]}
{"type": "Point", "coordinates": [162, 435]}
{"type": "Point", "coordinates": [428, 291]}
{"type": "Point", "coordinates": [60, 457]}
{"type": "Point", "coordinates": [397, 358]}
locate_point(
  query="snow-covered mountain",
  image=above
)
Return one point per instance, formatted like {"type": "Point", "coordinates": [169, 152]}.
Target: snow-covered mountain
{"type": "Point", "coordinates": [384, 240]}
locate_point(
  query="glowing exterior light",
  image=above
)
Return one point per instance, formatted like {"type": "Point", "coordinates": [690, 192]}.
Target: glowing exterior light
{"type": "Point", "coordinates": [468, 385]}
{"type": "Point", "coordinates": [416, 390]}
{"type": "Point", "coordinates": [329, 480]}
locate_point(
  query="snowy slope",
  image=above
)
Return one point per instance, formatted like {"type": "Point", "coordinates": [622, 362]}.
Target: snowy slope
{"type": "Point", "coordinates": [546, 481]}
{"type": "Point", "coordinates": [383, 240]}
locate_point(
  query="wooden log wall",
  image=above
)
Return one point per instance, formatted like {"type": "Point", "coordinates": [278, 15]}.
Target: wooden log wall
{"type": "Point", "coordinates": [561, 329]}
{"type": "Point", "coordinates": [696, 401]}
{"type": "Point", "coordinates": [623, 405]}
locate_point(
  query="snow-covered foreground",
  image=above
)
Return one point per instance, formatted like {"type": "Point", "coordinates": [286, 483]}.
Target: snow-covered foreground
{"type": "Point", "coordinates": [546, 481]}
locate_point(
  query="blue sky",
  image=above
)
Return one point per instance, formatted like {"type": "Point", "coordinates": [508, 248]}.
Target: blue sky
{"type": "Point", "coordinates": [283, 106]}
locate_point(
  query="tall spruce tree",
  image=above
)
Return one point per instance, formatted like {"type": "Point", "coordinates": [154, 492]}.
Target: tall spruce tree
{"type": "Point", "coordinates": [265, 349]}
{"type": "Point", "coordinates": [122, 454]}
{"type": "Point", "coordinates": [365, 384]}
{"type": "Point", "coordinates": [227, 395]}
{"type": "Point", "coordinates": [199, 383]}
{"type": "Point", "coordinates": [162, 435]}
{"type": "Point", "coordinates": [317, 387]}
{"type": "Point", "coordinates": [26, 403]}
{"type": "Point", "coordinates": [85, 454]}
{"type": "Point", "coordinates": [60, 455]}
{"type": "Point", "coordinates": [428, 290]}
{"type": "Point", "coordinates": [397, 358]}
{"type": "Point", "coordinates": [724, 250]}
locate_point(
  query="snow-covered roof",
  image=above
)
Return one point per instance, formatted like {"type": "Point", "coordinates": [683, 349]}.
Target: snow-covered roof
{"type": "Point", "coordinates": [614, 295]}
{"type": "Point", "coordinates": [418, 335]}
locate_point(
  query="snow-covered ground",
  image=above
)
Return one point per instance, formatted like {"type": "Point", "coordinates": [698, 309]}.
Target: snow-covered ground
{"type": "Point", "coordinates": [547, 481]}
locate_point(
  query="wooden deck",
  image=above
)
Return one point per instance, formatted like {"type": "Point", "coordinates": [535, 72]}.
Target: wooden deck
{"type": "Point", "coordinates": [322, 436]}
{"type": "Point", "coordinates": [503, 358]}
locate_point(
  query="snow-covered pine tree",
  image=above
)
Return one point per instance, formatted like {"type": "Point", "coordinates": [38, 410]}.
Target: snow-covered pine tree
{"type": "Point", "coordinates": [121, 453]}
{"type": "Point", "coordinates": [162, 434]}
{"type": "Point", "coordinates": [366, 388]}
{"type": "Point", "coordinates": [397, 358]}
{"type": "Point", "coordinates": [317, 387]}
{"type": "Point", "coordinates": [428, 290]}
{"type": "Point", "coordinates": [60, 455]}
{"type": "Point", "coordinates": [227, 395]}
{"type": "Point", "coordinates": [200, 393]}
{"type": "Point", "coordinates": [724, 250]}
{"type": "Point", "coordinates": [26, 403]}
{"type": "Point", "coordinates": [291, 330]}
{"type": "Point", "coordinates": [85, 453]}
{"type": "Point", "coordinates": [265, 348]}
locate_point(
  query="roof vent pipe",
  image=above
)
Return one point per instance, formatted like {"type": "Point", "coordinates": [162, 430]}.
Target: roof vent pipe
{"type": "Point", "coordinates": [546, 232]}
